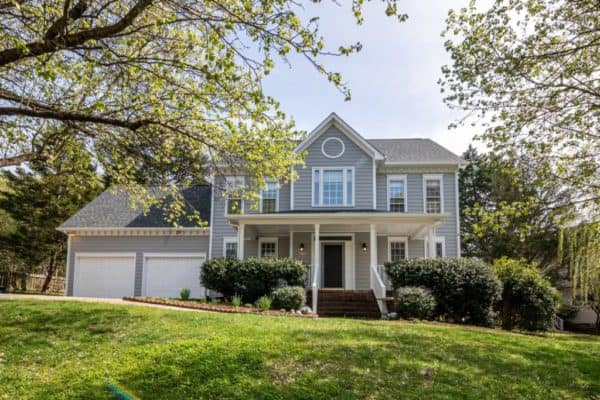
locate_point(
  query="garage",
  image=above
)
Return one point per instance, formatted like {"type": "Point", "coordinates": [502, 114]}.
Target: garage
{"type": "Point", "coordinates": [104, 275]}
{"type": "Point", "coordinates": [166, 274]}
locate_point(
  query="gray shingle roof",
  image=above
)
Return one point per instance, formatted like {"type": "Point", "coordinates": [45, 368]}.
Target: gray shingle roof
{"type": "Point", "coordinates": [113, 209]}
{"type": "Point", "coordinates": [414, 151]}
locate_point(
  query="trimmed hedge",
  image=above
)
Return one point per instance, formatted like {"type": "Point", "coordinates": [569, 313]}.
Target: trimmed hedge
{"type": "Point", "coordinates": [289, 298]}
{"type": "Point", "coordinates": [528, 301]}
{"type": "Point", "coordinates": [414, 302]}
{"type": "Point", "coordinates": [465, 289]}
{"type": "Point", "coordinates": [251, 278]}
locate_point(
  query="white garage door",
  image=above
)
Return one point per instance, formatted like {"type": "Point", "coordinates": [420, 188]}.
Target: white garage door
{"type": "Point", "coordinates": [104, 275]}
{"type": "Point", "coordinates": [165, 275]}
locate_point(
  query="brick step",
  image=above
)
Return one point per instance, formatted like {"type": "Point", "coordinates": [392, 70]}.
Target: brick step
{"type": "Point", "coordinates": [346, 303]}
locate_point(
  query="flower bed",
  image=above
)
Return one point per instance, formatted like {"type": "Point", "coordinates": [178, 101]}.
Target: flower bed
{"type": "Point", "coordinates": [219, 307]}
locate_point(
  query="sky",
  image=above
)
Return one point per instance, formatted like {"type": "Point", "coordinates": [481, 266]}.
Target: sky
{"type": "Point", "coordinates": [393, 79]}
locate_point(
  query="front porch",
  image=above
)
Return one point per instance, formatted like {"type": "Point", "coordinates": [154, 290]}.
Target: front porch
{"type": "Point", "coordinates": [345, 250]}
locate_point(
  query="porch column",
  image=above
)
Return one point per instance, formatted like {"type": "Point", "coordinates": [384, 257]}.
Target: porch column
{"type": "Point", "coordinates": [291, 251]}
{"type": "Point", "coordinates": [431, 244]}
{"type": "Point", "coordinates": [317, 252]}
{"type": "Point", "coordinates": [373, 250]}
{"type": "Point", "coordinates": [241, 236]}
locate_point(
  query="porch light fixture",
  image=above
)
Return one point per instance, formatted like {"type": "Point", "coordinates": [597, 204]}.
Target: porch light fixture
{"type": "Point", "coordinates": [365, 247]}
{"type": "Point", "coordinates": [301, 248]}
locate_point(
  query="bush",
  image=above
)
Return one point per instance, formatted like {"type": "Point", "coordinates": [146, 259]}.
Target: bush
{"type": "Point", "coordinates": [289, 298]}
{"type": "Point", "coordinates": [528, 301]}
{"type": "Point", "coordinates": [184, 294]}
{"type": "Point", "coordinates": [236, 301]}
{"type": "Point", "coordinates": [264, 303]}
{"type": "Point", "coordinates": [414, 302]}
{"type": "Point", "coordinates": [251, 278]}
{"type": "Point", "coordinates": [465, 290]}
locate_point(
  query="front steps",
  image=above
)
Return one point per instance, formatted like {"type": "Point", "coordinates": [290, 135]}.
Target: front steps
{"type": "Point", "coordinates": [345, 303]}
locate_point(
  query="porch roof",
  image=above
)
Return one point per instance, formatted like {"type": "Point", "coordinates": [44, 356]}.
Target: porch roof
{"type": "Point", "coordinates": [390, 223]}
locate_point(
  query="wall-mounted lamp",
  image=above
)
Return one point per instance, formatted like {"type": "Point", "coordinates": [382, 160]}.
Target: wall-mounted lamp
{"type": "Point", "coordinates": [301, 248]}
{"type": "Point", "coordinates": [365, 247]}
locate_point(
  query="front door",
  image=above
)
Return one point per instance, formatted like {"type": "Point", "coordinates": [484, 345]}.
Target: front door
{"type": "Point", "coordinates": [333, 263]}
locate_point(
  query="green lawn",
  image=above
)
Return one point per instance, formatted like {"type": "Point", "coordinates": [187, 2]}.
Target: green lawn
{"type": "Point", "coordinates": [60, 350]}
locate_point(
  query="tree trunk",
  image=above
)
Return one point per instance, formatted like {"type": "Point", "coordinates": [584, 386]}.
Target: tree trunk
{"type": "Point", "coordinates": [50, 272]}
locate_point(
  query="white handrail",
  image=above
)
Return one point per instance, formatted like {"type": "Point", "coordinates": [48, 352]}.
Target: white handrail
{"type": "Point", "coordinates": [378, 289]}
{"type": "Point", "coordinates": [315, 289]}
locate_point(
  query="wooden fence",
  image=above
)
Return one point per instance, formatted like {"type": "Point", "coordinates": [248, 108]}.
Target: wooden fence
{"type": "Point", "coordinates": [23, 282]}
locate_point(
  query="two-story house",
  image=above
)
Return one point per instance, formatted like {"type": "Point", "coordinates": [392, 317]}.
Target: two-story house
{"type": "Point", "coordinates": [356, 203]}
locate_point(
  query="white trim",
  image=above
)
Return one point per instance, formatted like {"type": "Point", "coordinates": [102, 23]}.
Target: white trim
{"type": "Point", "coordinates": [120, 231]}
{"type": "Point", "coordinates": [229, 239]}
{"type": "Point", "coordinates": [432, 177]}
{"type": "Point", "coordinates": [106, 254]}
{"type": "Point", "coordinates": [260, 204]}
{"type": "Point", "coordinates": [346, 129]}
{"type": "Point", "coordinates": [292, 189]}
{"type": "Point", "coordinates": [402, 178]}
{"type": "Point", "coordinates": [349, 278]}
{"type": "Point", "coordinates": [69, 268]}
{"type": "Point", "coordinates": [344, 186]}
{"type": "Point", "coordinates": [456, 191]}
{"type": "Point", "coordinates": [269, 239]}
{"type": "Point", "coordinates": [146, 256]}
{"type": "Point", "coordinates": [396, 239]}
{"type": "Point", "coordinates": [341, 153]}
{"type": "Point", "coordinates": [436, 240]}
{"type": "Point", "coordinates": [374, 185]}
{"type": "Point", "coordinates": [212, 218]}
{"type": "Point", "coordinates": [291, 245]}
{"type": "Point", "coordinates": [450, 164]}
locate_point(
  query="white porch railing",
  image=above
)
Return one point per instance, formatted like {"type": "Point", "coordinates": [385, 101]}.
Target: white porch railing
{"type": "Point", "coordinates": [379, 289]}
{"type": "Point", "coordinates": [315, 287]}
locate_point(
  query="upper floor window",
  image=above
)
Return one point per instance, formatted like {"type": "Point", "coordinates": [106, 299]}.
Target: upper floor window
{"type": "Point", "coordinates": [235, 203]}
{"type": "Point", "coordinates": [397, 248]}
{"type": "Point", "coordinates": [432, 191]}
{"type": "Point", "coordinates": [396, 193]}
{"type": "Point", "coordinates": [333, 186]}
{"type": "Point", "coordinates": [268, 201]}
{"type": "Point", "coordinates": [267, 247]}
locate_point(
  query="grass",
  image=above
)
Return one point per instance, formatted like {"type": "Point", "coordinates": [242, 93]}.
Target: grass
{"type": "Point", "coordinates": [66, 350]}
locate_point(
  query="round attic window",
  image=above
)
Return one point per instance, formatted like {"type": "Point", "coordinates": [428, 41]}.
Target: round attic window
{"type": "Point", "coordinates": [333, 147]}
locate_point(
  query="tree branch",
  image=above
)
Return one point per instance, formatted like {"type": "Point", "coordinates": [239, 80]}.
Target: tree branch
{"type": "Point", "coordinates": [19, 159]}
{"type": "Point", "coordinates": [58, 27]}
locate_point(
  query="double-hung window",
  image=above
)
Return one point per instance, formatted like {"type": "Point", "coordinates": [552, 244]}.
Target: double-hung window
{"type": "Point", "coordinates": [230, 247]}
{"type": "Point", "coordinates": [432, 193]}
{"type": "Point", "coordinates": [397, 248]}
{"type": "Point", "coordinates": [396, 193]}
{"type": "Point", "coordinates": [235, 204]}
{"type": "Point", "coordinates": [268, 201]}
{"type": "Point", "coordinates": [267, 247]}
{"type": "Point", "coordinates": [333, 187]}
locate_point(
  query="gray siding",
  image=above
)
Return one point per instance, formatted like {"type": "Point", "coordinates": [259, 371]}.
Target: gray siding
{"type": "Point", "coordinates": [134, 244]}
{"type": "Point", "coordinates": [221, 227]}
{"type": "Point", "coordinates": [448, 228]}
{"type": "Point", "coordinates": [353, 156]}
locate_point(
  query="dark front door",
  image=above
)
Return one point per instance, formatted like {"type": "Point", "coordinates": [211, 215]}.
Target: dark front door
{"type": "Point", "coordinates": [332, 265]}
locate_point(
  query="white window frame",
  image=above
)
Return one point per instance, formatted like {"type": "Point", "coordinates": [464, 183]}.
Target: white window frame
{"type": "Point", "coordinates": [345, 188]}
{"type": "Point", "coordinates": [397, 178]}
{"type": "Point", "coordinates": [431, 178]}
{"type": "Point", "coordinates": [395, 239]}
{"type": "Point", "coordinates": [228, 240]}
{"type": "Point", "coordinates": [437, 239]}
{"type": "Point", "coordinates": [234, 182]}
{"type": "Point", "coordinates": [260, 206]}
{"type": "Point", "coordinates": [262, 240]}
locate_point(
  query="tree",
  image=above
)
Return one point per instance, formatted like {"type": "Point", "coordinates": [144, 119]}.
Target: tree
{"type": "Point", "coordinates": [507, 210]}
{"type": "Point", "coordinates": [142, 79]}
{"type": "Point", "coordinates": [41, 198]}
{"type": "Point", "coordinates": [579, 251]}
{"type": "Point", "coordinates": [529, 72]}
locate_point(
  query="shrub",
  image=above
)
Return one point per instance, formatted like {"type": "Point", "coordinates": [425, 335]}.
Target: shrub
{"type": "Point", "coordinates": [465, 290]}
{"type": "Point", "coordinates": [236, 301]}
{"type": "Point", "coordinates": [264, 303]}
{"type": "Point", "coordinates": [251, 278]}
{"type": "Point", "coordinates": [528, 301]}
{"type": "Point", "coordinates": [414, 302]}
{"type": "Point", "coordinates": [184, 294]}
{"type": "Point", "coordinates": [289, 298]}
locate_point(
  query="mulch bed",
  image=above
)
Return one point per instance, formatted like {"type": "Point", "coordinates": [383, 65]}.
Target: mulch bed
{"type": "Point", "coordinates": [221, 307]}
